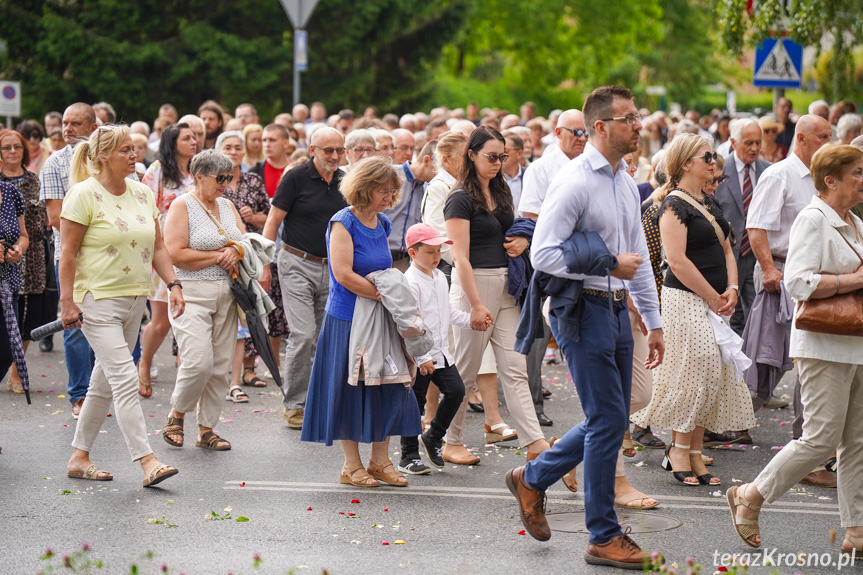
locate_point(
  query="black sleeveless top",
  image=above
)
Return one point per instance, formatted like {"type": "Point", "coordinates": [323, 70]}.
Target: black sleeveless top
{"type": "Point", "coordinates": [702, 246]}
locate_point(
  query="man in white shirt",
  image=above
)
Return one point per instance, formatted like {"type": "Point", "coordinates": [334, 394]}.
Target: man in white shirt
{"type": "Point", "coordinates": [783, 190]}
{"type": "Point", "coordinates": [513, 171]}
{"type": "Point", "coordinates": [595, 194]}
{"type": "Point", "coordinates": [571, 137]}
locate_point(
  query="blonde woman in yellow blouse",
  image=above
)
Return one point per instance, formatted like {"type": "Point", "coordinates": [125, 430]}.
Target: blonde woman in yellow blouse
{"type": "Point", "coordinates": [110, 245]}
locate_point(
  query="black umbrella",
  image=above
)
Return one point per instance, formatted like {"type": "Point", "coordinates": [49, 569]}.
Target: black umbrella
{"type": "Point", "coordinates": [247, 300]}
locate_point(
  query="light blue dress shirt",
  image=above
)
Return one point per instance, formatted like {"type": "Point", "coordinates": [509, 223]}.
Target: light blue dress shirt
{"type": "Point", "coordinates": [587, 195]}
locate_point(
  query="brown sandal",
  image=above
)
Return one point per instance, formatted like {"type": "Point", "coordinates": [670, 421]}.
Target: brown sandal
{"type": "Point", "coordinates": [390, 478]}
{"type": "Point", "coordinates": [628, 446]}
{"type": "Point", "coordinates": [92, 473]}
{"type": "Point", "coordinates": [358, 478]}
{"type": "Point", "coordinates": [569, 479]}
{"type": "Point", "coordinates": [173, 426]}
{"type": "Point", "coordinates": [211, 441]}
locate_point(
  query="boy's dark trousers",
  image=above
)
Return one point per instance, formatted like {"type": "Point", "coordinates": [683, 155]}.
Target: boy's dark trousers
{"type": "Point", "coordinates": [451, 387]}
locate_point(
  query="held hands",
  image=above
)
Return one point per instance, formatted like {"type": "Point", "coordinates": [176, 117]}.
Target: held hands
{"type": "Point", "coordinates": [427, 368]}
{"type": "Point", "coordinates": [771, 280]}
{"type": "Point", "coordinates": [723, 304]}
{"type": "Point", "coordinates": [69, 312]}
{"type": "Point", "coordinates": [480, 318]}
{"type": "Point", "coordinates": [515, 245]}
{"type": "Point", "coordinates": [627, 265]}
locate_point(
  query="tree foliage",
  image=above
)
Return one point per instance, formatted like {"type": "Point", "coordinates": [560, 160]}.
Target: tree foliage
{"type": "Point", "coordinates": [828, 25]}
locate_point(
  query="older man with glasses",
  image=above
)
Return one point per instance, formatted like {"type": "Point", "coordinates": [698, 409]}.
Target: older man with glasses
{"type": "Point", "coordinates": [305, 200]}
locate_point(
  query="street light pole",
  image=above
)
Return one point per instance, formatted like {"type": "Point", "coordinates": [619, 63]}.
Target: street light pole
{"type": "Point", "coordinates": [299, 12]}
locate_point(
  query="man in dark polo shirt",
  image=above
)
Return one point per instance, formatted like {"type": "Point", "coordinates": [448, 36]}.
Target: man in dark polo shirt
{"type": "Point", "coordinates": [305, 200]}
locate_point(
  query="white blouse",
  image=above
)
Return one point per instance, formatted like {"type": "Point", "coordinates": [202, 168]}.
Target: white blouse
{"type": "Point", "coordinates": [816, 248]}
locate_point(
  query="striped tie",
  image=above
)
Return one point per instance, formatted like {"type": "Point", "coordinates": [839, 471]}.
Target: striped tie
{"type": "Point", "coordinates": [745, 248]}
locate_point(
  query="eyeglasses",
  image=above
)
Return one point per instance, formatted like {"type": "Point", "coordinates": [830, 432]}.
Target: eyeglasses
{"type": "Point", "coordinates": [15, 147]}
{"type": "Point", "coordinates": [719, 179]}
{"type": "Point", "coordinates": [575, 132]}
{"type": "Point", "coordinates": [404, 148]}
{"type": "Point", "coordinates": [385, 149]}
{"type": "Point", "coordinates": [630, 119]}
{"type": "Point", "coordinates": [222, 178]}
{"type": "Point", "coordinates": [329, 151]}
{"type": "Point", "coordinates": [495, 158]}
{"type": "Point", "coordinates": [391, 192]}
{"type": "Point", "coordinates": [708, 157]}
{"type": "Point", "coordinates": [363, 151]}
{"type": "Point", "coordinates": [771, 131]}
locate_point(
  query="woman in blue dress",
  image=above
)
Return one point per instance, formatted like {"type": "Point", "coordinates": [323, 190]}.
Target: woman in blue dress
{"type": "Point", "coordinates": [357, 245]}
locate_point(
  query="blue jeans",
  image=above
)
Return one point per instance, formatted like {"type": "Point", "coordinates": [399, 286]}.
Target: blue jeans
{"type": "Point", "coordinates": [79, 357]}
{"type": "Point", "coordinates": [601, 367]}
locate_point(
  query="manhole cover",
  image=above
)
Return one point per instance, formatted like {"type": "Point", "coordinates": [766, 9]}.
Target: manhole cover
{"type": "Point", "coordinates": [640, 522]}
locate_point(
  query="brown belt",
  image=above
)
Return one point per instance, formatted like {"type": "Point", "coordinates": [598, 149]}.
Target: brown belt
{"type": "Point", "coordinates": [618, 295]}
{"type": "Point", "coordinates": [304, 255]}
{"type": "Point", "coordinates": [781, 260]}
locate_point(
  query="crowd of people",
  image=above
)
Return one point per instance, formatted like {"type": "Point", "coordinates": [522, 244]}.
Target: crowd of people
{"type": "Point", "coordinates": [660, 255]}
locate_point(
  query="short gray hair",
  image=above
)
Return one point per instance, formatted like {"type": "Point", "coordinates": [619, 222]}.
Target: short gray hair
{"type": "Point", "coordinates": [817, 104]}
{"type": "Point", "coordinates": [857, 142]}
{"type": "Point", "coordinates": [232, 134]}
{"type": "Point", "coordinates": [848, 123]}
{"type": "Point", "coordinates": [360, 135]}
{"type": "Point", "coordinates": [210, 163]}
{"type": "Point", "coordinates": [737, 126]}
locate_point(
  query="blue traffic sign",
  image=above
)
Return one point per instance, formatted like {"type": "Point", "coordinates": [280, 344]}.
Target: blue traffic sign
{"type": "Point", "coordinates": [778, 64]}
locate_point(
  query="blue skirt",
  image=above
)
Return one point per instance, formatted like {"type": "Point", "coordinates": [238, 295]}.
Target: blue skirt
{"type": "Point", "coordinates": [336, 410]}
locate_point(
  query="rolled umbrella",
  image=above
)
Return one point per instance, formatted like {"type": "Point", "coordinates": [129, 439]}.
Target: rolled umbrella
{"type": "Point", "coordinates": [15, 342]}
{"type": "Point", "coordinates": [247, 300]}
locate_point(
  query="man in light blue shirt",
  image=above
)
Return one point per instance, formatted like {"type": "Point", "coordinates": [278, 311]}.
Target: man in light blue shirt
{"type": "Point", "coordinates": [594, 193]}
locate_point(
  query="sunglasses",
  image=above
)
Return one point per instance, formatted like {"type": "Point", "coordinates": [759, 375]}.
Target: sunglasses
{"type": "Point", "coordinates": [718, 180]}
{"type": "Point", "coordinates": [577, 133]}
{"type": "Point", "coordinates": [708, 157]}
{"type": "Point", "coordinates": [222, 178]}
{"type": "Point", "coordinates": [35, 136]}
{"type": "Point", "coordinates": [495, 158]}
{"type": "Point", "coordinates": [329, 151]}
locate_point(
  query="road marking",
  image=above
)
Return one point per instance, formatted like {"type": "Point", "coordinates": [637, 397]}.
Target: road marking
{"type": "Point", "coordinates": [678, 502]}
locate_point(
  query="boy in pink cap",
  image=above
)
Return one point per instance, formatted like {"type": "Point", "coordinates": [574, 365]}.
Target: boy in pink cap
{"type": "Point", "coordinates": [430, 289]}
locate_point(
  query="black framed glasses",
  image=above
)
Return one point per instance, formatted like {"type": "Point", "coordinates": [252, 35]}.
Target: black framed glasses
{"type": "Point", "coordinates": [708, 157]}
{"type": "Point", "coordinates": [719, 179]}
{"type": "Point", "coordinates": [631, 119]}
{"type": "Point", "coordinates": [222, 178]}
{"type": "Point", "coordinates": [495, 158]}
{"type": "Point", "coordinates": [576, 132]}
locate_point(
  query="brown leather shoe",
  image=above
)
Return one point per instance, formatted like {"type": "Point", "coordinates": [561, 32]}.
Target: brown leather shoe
{"type": "Point", "coordinates": [465, 458]}
{"type": "Point", "coordinates": [531, 505]}
{"type": "Point", "coordinates": [820, 478]}
{"type": "Point", "coordinates": [621, 552]}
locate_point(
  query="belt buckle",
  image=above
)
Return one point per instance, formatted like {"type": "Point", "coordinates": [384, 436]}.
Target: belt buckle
{"type": "Point", "coordinates": [618, 295]}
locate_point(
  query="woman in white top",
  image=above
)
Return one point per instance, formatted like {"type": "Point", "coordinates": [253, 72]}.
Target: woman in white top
{"type": "Point", "coordinates": [169, 178]}
{"type": "Point", "coordinates": [201, 232]}
{"type": "Point", "coordinates": [824, 259]}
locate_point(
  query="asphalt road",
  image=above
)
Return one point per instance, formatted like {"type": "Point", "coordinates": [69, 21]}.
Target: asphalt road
{"type": "Point", "coordinates": [301, 520]}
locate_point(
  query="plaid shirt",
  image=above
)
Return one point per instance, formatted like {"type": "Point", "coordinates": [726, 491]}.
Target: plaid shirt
{"type": "Point", "coordinates": [55, 183]}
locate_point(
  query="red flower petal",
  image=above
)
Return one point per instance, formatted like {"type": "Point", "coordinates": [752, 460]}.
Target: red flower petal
{"type": "Point", "coordinates": [352, 514]}
{"type": "Point", "coordinates": [355, 500]}
{"type": "Point", "coordinates": [341, 512]}
{"type": "Point", "coordinates": [109, 415]}
{"type": "Point", "coordinates": [385, 542]}
{"type": "Point", "coordinates": [309, 509]}
{"type": "Point", "coordinates": [386, 508]}
{"type": "Point", "coordinates": [521, 532]}
{"type": "Point", "coordinates": [243, 484]}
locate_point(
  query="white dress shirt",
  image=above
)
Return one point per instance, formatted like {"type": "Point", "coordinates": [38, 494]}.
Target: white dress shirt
{"type": "Point", "coordinates": [586, 195]}
{"type": "Point", "coordinates": [738, 163]}
{"type": "Point", "coordinates": [816, 248]}
{"type": "Point", "coordinates": [432, 295]}
{"type": "Point", "coordinates": [515, 185]}
{"type": "Point", "coordinates": [433, 204]}
{"type": "Point", "coordinates": [537, 178]}
{"type": "Point", "coordinates": [783, 190]}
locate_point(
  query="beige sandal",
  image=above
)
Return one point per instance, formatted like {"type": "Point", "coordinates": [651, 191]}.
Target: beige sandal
{"type": "Point", "coordinates": [746, 528]}
{"type": "Point", "coordinates": [358, 480]}
{"type": "Point", "coordinates": [569, 480]}
{"type": "Point", "coordinates": [635, 499]}
{"type": "Point", "coordinates": [856, 546]}
{"type": "Point", "coordinates": [159, 474]}
{"type": "Point", "coordinates": [628, 446]}
{"type": "Point", "coordinates": [389, 477]}
{"type": "Point", "coordinates": [91, 474]}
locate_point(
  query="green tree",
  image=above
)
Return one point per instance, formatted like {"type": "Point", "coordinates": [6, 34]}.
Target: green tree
{"type": "Point", "coordinates": [827, 25]}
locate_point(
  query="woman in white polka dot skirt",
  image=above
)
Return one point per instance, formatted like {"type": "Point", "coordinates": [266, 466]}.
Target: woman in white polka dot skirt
{"type": "Point", "coordinates": [693, 389]}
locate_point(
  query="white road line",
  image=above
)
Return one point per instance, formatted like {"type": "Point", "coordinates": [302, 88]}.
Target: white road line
{"type": "Point", "coordinates": [703, 503]}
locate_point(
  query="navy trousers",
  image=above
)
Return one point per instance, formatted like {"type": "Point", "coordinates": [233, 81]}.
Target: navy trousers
{"type": "Point", "coordinates": [601, 368]}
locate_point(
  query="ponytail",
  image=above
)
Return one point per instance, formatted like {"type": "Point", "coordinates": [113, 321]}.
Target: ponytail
{"type": "Point", "coordinates": [80, 168]}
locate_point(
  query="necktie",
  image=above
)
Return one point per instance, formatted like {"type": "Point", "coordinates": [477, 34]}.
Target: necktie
{"type": "Point", "coordinates": [745, 248]}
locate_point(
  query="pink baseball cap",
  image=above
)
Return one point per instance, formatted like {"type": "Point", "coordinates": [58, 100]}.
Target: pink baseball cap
{"type": "Point", "coordinates": [426, 234]}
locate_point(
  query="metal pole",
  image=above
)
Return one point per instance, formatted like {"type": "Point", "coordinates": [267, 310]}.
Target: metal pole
{"type": "Point", "coordinates": [9, 122]}
{"type": "Point", "coordinates": [296, 70]}
{"type": "Point", "coordinates": [777, 93]}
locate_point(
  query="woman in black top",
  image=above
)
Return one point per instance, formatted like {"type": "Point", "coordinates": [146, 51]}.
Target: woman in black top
{"type": "Point", "coordinates": [693, 389]}
{"type": "Point", "coordinates": [478, 212]}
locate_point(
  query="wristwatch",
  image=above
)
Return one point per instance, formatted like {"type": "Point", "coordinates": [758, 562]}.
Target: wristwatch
{"type": "Point", "coordinates": [174, 283]}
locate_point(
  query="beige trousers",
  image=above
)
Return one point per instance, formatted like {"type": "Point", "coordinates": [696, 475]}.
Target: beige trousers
{"type": "Point", "coordinates": [512, 366]}
{"type": "Point", "coordinates": [832, 395]}
{"type": "Point", "coordinates": [642, 380]}
{"type": "Point", "coordinates": [206, 334]}
{"type": "Point", "coordinates": [111, 327]}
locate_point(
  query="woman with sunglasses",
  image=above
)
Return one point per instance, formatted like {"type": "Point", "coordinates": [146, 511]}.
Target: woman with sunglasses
{"type": "Point", "coordinates": [33, 309]}
{"type": "Point", "coordinates": [37, 150]}
{"type": "Point", "coordinates": [201, 232]}
{"type": "Point", "coordinates": [111, 244]}
{"type": "Point", "coordinates": [771, 150]}
{"type": "Point", "coordinates": [169, 178]}
{"type": "Point", "coordinates": [693, 389]}
{"type": "Point", "coordinates": [478, 212]}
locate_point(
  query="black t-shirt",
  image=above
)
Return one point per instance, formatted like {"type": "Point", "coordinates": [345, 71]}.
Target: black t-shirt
{"type": "Point", "coordinates": [702, 246]}
{"type": "Point", "coordinates": [487, 230]}
{"type": "Point", "coordinates": [310, 203]}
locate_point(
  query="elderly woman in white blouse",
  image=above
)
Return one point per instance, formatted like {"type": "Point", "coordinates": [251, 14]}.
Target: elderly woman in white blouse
{"type": "Point", "coordinates": [825, 258]}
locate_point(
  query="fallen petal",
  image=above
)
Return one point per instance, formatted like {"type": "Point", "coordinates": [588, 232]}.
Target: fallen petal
{"type": "Point", "coordinates": [521, 532]}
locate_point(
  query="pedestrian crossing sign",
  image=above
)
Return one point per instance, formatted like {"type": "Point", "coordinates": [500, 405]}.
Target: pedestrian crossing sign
{"type": "Point", "coordinates": [778, 64]}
